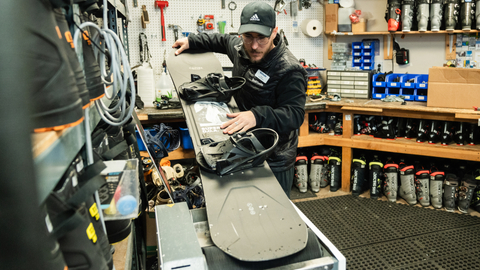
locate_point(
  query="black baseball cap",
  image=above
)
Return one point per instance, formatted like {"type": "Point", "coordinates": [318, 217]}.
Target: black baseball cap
{"type": "Point", "coordinates": [258, 17]}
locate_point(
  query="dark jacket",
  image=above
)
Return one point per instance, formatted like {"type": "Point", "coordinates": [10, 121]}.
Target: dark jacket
{"type": "Point", "coordinates": [277, 103]}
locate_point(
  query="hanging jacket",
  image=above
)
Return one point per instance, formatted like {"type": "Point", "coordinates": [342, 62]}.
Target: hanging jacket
{"type": "Point", "coordinates": [277, 100]}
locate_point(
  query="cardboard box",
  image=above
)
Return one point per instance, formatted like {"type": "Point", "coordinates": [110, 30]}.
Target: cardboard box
{"type": "Point", "coordinates": [331, 18]}
{"type": "Point", "coordinates": [151, 234]}
{"type": "Point", "coordinates": [359, 27]}
{"type": "Point", "coordinates": [453, 87]}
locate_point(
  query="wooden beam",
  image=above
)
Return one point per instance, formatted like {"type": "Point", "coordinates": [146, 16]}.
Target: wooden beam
{"type": "Point", "coordinates": [467, 116]}
{"type": "Point", "coordinates": [179, 153]}
{"type": "Point", "coordinates": [362, 109]}
{"type": "Point", "coordinates": [347, 124]}
{"type": "Point", "coordinates": [346, 168]}
{"type": "Point", "coordinates": [387, 47]}
{"type": "Point", "coordinates": [304, 127]}
{"type": "Point", "coordinates": [450, 46]}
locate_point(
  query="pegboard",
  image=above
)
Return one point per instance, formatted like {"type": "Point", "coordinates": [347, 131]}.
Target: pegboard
{"type": "Point", "coordinates": [186, 12]}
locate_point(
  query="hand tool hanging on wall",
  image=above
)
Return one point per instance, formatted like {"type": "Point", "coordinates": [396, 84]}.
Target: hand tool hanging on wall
{"type": "Point", "coordinates": [145, 19]}
{"type": "Point", "coordinates": [223, 4]}
{"type": "Point", "coordinates": [135, 3]}
{"type": "Point", "coordinates": [232, 6]}
{"type": "Point", "coordinates": [161, 5]}
{"type": "Point", "coordinates": [175, 30]}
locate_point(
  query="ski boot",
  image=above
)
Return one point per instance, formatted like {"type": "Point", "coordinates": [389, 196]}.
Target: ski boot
{"type": "Point", "coordinates": [423, 131]}
{"type": "Point", "coordinates": [465, 193]}
{"type": "Point", "coordinates": [459, 135]}
{"type": "Point", "coordinates": [451, 14]}
{"type": "Point", "coordinates": [357, 125]}
{"type": "Point", "coordinates": [450, 192]}
{"type": "Point", "coordinates": [411, 128]}
{"type": "Point", "coordinates": [393, 15]}
{"type": "Point", "coordinates": [407, 183]}
{"type": "Point", "coordinates": [324, 173]}
{"type": "Point", "coordinates": [301, 173]}
{"type": "Point", "coordinates": [317, 163]}
{"type": "Point", "coordinates": [401, 127]}
{"type": "Point", "coordinates": [434, 134]}
{"type": "Point", "coordinates": [446, 133]}
{"type": "Point", "coordinates": [358, 176]}
{"type": "Point", "coordinates": [335, 164]}
{"type": "Point", "coordinates": [476, 193]}
{"type": "Point", "coordinates": [372, 125]}
{"type": "Point", "coordinates": [467, 14]}
{"type": "Point", "coordinates": [423, 187]}
{"type": "Point", "coordinates": [473, 134]}
{"type": "Point", "coordinates": [331, 122]}
{"type": "Point", "coordinates": [385, 129]}
{"type": "Point", "coordinates": [423, 13]}
{"type": "Point", "coordinates": [436, 187]}
{"type": "Point", "coordinates": [390, 186]}
{"type": "Point", "coordinates": [317, 122]}
{"type": "Point", "coordinates": [436, 8]}
{"type": "Point", "coordinates": [375, 180]}
{"type": "Point", "coordinates": [408, 11]}
{"type": "Point", "coordinates": [338, 129]}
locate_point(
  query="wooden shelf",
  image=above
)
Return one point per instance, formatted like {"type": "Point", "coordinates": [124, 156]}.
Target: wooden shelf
{"type": "Point", "coordinates": [177, 154]}
{"type": "Point", "coordinates": [401, 33]}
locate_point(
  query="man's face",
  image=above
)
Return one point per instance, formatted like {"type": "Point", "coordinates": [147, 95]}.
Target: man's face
{"type": "Point", "coordinates": [257, 46]}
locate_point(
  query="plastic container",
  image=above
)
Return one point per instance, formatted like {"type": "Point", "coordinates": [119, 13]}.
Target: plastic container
{"type": "Point", "coordinates": [186, 139]}
{"type": "Point", "coordinates": [421, 81]}
{"type": "Point", "coordinates": [164, 87]}
{"type": "Point", "coordinates": [391, 81]}
{"type": "Point", "coordinates": [340, 47]}
{"type": "Point", "coordinates": [368, 66]}
{"type": "Point", "coordinates": [408, 93]}
{"type": "Point", "coordinates": [120, 195]}
{"type": "Point", "coordinates": [405, 80]}
{"type": "Point", "coordinates": [357, 45]}
{"type": "Point", "coordinates": [421, 95]}
{"type": "Point", "coordinates": [376, 83]}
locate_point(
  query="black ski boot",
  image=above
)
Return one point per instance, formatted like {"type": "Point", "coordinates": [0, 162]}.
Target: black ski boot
{"type": "Point", "coordinates": [358, 176]}
{"type": "Point", "coordinates": [338, 130]}
{"type": "Point", "coordinates": [476, 194]}
{"type": "Point", "coordinates": [375, 179]}
{"type": "Point", "coordinates": [331, 122]}
{"type": "Point", "coordinates": [423, 130]}
{"type": "Point", "coordinates": [393, 15]}
{"type": "Point", "coordinates": [450, 192]}
{"type": "Point", "coordinates": [459, 136]}
{"type": "Point", "coordinates": [473, 134]}
{"type": "Point", "coordinates": [357, 125]}
{"type": "Point", "coordinates": [385, 129]}
{"type": "Point", "coordinates": [401, 127]}
{"type": "Point", "coordinates": [335, 164]}
{"type": "Point", "coordinates": [446, 134]}
{"type": "Point", "coordinates": [390, 187]}
{"type": "Point", "coordinates": [407, 183]}
{"type": "Point", "coordinates": [372, 125]}
{"type": "Point", "coordinates": [451, 14]}
{"type": "Point", "coordinates": [317, 122]}
{"type": "Point", "coordinates": [466, 192]}
{"type": "Point", "coordinates": [434, 134]}
{"type": "Point", "coordinates": [411, 128]}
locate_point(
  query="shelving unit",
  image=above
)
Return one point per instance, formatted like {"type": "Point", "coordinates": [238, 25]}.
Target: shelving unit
{"type": "Point", "coordinates": [348, 141]}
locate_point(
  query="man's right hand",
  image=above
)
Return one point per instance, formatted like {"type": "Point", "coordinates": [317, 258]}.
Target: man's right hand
{"type": "Point", "coordinates": [182, 43]}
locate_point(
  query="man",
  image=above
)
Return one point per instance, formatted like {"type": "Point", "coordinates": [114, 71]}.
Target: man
{"type": "Point", "coordinates": [274, 93]}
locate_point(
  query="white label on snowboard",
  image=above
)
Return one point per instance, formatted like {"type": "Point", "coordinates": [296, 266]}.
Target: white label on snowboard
{"type": "Point", "coordinates": [262, 76]}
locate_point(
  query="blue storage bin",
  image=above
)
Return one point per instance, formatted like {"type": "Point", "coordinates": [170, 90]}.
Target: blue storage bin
{"type": "Point", "coordinates": [421, 81]}
{"type": "Point", "coordinates": [378, 92]}
{"type": "Point", "coordinates": [389, 80]}
{"type": "Point", "coordinates": [368, 59]}
{"type": "Point", "coordinates": [357, 45]}
{"type": "Point", "coordinates": [357, 53]}
{"type": "Point", "coordinates": [405, 78]}
{"type": "Point", "coordinates": [368, 66]}
{"type": "Point", "coordinates": [367, 45]}
{"type": "Point", "coordinates": [357, 59]}
{"type": "Point", "coordinates": [421, 95]}
{"type": "Point", "coordinates": [186, 139]}
{"type": "Point", "coordinates": [357, 65]}
{"type": "Point", "coordinates": [368, 52]}
{"type": "Point", "coordinates": [393, 91]}
{"type": "Point", "coordinates": [377, 84]}
{"type": "Point", "coordinates": [141, 146]}
{"type": "Point", "coordinates": [408, 93]}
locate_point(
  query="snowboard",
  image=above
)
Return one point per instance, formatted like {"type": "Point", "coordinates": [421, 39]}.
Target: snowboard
{"type": "Point", "coordinates": [249, 215]}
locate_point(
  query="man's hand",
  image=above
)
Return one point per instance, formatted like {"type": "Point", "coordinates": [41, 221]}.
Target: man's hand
{"type": "Point", "coordinates": [241, 122]}
{"type": "Point", "coordinates": [182, 43]}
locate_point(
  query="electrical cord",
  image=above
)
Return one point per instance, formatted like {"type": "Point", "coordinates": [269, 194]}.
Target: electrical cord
{"type": "Point", "coordinates": [110, 42]}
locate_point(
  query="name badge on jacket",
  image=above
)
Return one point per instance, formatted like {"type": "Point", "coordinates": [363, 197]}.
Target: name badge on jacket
{"type": "Point", "coordinates": [262, 76]}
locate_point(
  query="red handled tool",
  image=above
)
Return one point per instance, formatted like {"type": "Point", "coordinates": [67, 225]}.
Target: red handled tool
{"type": "Point", "coordinates": [161, 5]}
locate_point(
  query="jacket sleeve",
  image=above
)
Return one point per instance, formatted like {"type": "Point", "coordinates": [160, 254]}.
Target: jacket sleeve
{"type": "Point", "coordinates": [289, 111]}
{"type": "Point", "coordinates": [219, 43]}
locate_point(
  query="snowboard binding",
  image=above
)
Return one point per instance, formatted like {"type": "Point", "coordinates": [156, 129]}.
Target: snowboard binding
{"type": "Point", "coordinates": [213, 87]}
{"type": "Point", "coordinates": [241, 151]}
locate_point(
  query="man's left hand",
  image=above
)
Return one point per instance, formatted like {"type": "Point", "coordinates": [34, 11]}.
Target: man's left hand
{"type": "Point", "coordinates": [241, 122]}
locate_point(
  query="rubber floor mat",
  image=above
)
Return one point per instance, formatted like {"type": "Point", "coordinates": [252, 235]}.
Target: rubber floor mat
{"type": "Point", "coordinates": [375, 234]}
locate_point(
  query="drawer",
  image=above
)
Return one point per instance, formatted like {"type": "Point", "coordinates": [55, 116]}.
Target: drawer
{"type": "Point", "coordinates": [347, 82]}
{"type": "Point", "coordinates": [334, 90]}
{"type": "Point", "coordinates": [334, 81]}
{"type": "Point", "coordinates": [334, 73]}
{"type": "Point", "coordinates": [333, 78]}
{"type": "Point", "coordinates": [363, 87]}
{"type": "Point", "coordinates": [347, 95]}
{"type": "Point", "coordinates": [348, 91]}
{"type": "Point", "coordinates": [348, 78]}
